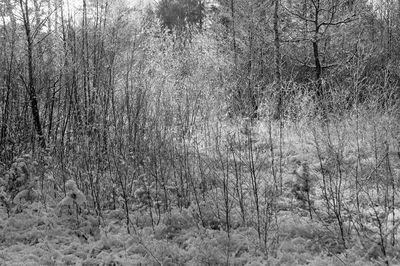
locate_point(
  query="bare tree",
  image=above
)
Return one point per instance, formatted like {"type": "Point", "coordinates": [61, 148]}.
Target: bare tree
{"type": "Point", "coordinates": [30, 83]}
{"type": "Point", "coordinates": [318, 17]}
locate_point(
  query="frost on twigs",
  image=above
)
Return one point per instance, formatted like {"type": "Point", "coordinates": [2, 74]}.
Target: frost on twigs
{"type": "Point", "coordinates": [74, 200]}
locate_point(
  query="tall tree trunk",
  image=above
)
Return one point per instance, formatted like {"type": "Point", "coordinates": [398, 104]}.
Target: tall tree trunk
{"type": "Point", "coordinates": [86, 72]}
{"type": "Point", "coordinates": [8, 78]}
{"type": "Point", "coordinates": [317, 60]}
{"type": "Point", "coordinates": [277, 44]}
{"type": "Point", "coordinates": [31, 80]}
{"type": "Point", "coordinates": [234, 33]}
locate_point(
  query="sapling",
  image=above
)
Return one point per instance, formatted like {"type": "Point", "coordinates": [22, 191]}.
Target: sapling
{"type": "Point", "coordinates": [301, 188]}
{"type": "Point", "coordinates": [5, 201]}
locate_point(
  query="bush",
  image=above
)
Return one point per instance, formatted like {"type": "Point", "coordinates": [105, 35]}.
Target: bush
{"type": "Point", "coordinates": [19, 183]}
{"type": "Point", "coordinates": [74, 197]}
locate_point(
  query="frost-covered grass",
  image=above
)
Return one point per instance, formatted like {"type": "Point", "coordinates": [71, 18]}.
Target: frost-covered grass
{"type": "Point", "coordinates": [42, 238]}
{"type": "Point", "coordinates": [352, 208]}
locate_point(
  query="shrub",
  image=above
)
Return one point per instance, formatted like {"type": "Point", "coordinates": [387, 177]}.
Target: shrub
{"type": "Point", "coordinates": [74, 197]}
{"type": "Point", "coordinates": [18, 183]}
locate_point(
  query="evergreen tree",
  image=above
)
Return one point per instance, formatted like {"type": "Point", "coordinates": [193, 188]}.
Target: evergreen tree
{"type": "Point", "coordinates": [178, 14]}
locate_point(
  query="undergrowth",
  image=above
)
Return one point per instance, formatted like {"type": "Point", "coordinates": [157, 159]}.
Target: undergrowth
{"type": "Point", "coordinates": [338, 205]}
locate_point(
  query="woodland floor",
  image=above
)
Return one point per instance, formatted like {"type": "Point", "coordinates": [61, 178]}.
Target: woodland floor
{"type": "Point", "coordinates": [42, 235]}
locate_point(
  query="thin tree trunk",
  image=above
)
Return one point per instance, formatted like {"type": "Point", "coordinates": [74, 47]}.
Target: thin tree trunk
{"type": "Point", "coordinates": [315, 45]}
{"type": "Point", "coordinates": [31, 80]}
{"type": "Point", "coordinates": [234, 33]}
{"type": "Point", "coordinates": [277, 45]}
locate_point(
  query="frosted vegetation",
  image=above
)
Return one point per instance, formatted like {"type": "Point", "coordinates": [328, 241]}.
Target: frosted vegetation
{"type": "Point", "coordinates": [199, 139]}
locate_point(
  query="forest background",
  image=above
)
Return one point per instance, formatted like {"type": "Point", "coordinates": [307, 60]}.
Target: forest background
{"type": "Point", "coordinates": [194, 132]}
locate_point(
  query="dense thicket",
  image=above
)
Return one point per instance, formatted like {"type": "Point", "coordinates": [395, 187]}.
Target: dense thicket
{"type": "Point", "coordinates": [209, 107]}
